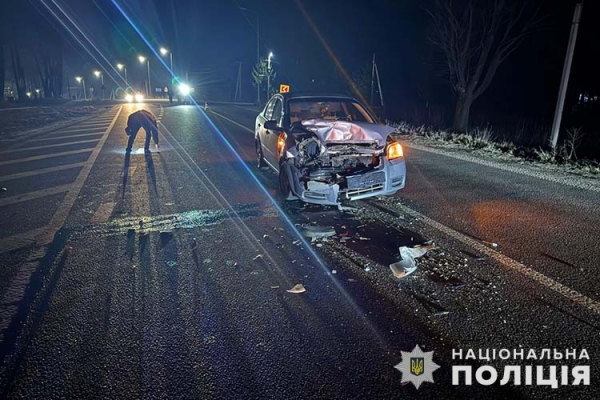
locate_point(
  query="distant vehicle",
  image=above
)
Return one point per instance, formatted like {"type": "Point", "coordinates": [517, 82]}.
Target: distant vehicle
{"type": "Point", "coordinates": [327, 148]}
{"type": "Point", "coordinates": [137, 97]}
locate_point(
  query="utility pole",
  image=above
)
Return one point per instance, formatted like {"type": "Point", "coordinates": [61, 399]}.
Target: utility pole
{"type": "Point", "coordinates": [149, 84]}
{"type": "Point", "coordinates": [373, 80]}
{"type": "Point", "coordinates": [380, 92]}
{"type": "Point", "coordinates": [564, 82]}
{"type": "Point", "coordinates": [238, 85]}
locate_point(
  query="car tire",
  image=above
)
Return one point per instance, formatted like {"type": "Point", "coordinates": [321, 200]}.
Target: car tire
{"type": "Point", "coordinates": [284, 184]}
{"type": "Point", "coordinates": [260, 159]}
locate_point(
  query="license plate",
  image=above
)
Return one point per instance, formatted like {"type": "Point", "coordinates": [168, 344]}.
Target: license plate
{"type": "Point", "coordinates": [365, 180]}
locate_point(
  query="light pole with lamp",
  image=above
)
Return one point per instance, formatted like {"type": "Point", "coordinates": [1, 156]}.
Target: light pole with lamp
{"type": "Point", "coordinates": [269, 75]}
{"type": "Point", "coordinates": [100, 75]}
{"type": "Point", "coordinates": [141, 60]}
{"type": "Point", "coordinates": [164, 52]}
{"type": "Point", "coordinates": [82, 81]}
{"type": "Point", "coordinates": [124, 69]}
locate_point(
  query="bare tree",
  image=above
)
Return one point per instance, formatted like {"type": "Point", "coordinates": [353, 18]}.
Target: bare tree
{"type": "Point", "coordinates": [474, 40]}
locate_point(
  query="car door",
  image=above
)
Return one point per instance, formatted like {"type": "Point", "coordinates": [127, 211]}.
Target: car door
{"type": "Point", "coordinates": [271, 136]}
{"type": "Point", "coordinates": [263, 117]}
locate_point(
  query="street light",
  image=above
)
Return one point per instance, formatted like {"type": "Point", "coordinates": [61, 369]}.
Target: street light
{"type": "Point", "coordinates": [257, 47]}
{"type": "Point", "coordinates": [142, 59]}
{"type": "Point", "coordinates": [124, 69]}
{"type": "Point", "coordinates": [164, 52]}
{"type": "Point", "coordinates": [100, 75]}
{"type": "Point", "coordinates": [269, 74]}
{"type": "Point", "coordinates": [79, 79]}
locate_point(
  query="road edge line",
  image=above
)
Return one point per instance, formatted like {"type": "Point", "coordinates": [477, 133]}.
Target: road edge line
{"type": "Point", "coordinates": [508, 262]}
{"type": "Point", "coordinates": [523, 170]}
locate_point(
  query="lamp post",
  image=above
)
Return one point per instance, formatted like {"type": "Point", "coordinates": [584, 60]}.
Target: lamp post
{"type": "Point", "coordinates": [269, 74]}
{"type": "Point", "coordinates": [257, 48]}
{"type": "Point", "coordinates": [100, 75]}
{"type": "Point", "coordinates": [141, 60]}
{"type": "Point", "coordinates": [82, 81]}
{"type": "Point", "coordinates": [164, 52]}
{"type": "Point", "coordinates": [124, 69]}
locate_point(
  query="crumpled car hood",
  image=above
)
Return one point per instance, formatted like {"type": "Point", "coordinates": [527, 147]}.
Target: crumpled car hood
{"type": "Point", "coordinates": [344, 131]}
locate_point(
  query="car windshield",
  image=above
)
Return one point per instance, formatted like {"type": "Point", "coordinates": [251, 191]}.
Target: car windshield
{"type": "Point", "coordinates": [304, 109]}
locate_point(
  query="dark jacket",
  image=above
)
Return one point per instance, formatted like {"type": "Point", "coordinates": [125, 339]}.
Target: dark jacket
{"type": "Point", "coordinates": [141, 119]}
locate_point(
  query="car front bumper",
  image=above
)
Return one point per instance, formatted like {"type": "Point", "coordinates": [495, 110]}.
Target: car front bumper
{"type": "Point", "coordinates": [393, 180]}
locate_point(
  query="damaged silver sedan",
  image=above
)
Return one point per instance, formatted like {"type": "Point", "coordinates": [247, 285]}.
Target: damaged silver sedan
{"type": "Point", "coordinates": [327, 149]}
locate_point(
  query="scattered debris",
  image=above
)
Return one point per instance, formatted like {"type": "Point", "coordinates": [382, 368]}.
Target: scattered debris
{"type": "Point", "coordinates": [491, 244]}
{"type": "Point", "coordinates": [346, 208]}
{"type": "Point", "coordinates": [265, 236]}
{"type": "Point", "coordinates": [274, 286]}
{"type": "Point", "coordinates": [352, 280]}
{"type": "Point", "coordinates": [407, 264]}
{"type": "Point", "coordinates": [367, 267]}
{"type": "Point", "coordinates": [258, 257]}
{"type": "Point", "coordinates": [316, 231]}
{"type": "Point", "coordinates": [231, 263]}
{"type": "Point", "coordinates": [299, 288]}
{"type": "Point", "coordinates": [334, 271]}
{"type": "Point", "coordinates": [207, 261]}
{"type": "Point", "coordinates": [4, 189]}
{"type": "Point", "coordinates": [172, 263]}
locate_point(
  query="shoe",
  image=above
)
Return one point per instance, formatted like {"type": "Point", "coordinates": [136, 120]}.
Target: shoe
{"type": "Point", "coordinates": [157, 147]}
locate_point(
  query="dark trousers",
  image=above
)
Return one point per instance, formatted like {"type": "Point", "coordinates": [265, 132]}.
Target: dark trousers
{"type": "Point", "coordinates": [149, 131]}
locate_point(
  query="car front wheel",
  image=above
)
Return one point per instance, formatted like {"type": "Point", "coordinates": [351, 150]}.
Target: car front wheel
{"type": "Point", "coordinates": [284, 183]}
{"type": "Point", "coordinates": [260, 160]}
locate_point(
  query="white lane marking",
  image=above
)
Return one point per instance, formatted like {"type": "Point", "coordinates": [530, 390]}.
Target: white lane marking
{"type": "Point", "coordinates": [233, 122]}
{"type": "Point", "coordinates": [47, 235]}
{"type": "Point", "coordinates": [40, 171]}
{"type": "Point", "coordinates": [69, 136]}
{"type": "Point", "coordinates": [103, 212]}
{"type": "Point", "coordinates": [575, 182]}
{"type": "Point", "coordinates": [33, 195]}
{"type": "Point", "coordinates": [80, 129]}
{"type": "Point", "coordinates": [19, 240]}
{"type": "Point", "coordinates": [16, 290]}
{"type": "Point", "coordinates": [508, 262]}
{"type": "Point", "coordinates": [44, 156]}
{"type": "Point", "coordinates": [47, 146]}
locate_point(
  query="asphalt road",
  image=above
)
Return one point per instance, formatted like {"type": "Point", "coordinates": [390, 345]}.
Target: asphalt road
{"type": "Point", "coordinates": [165, 276]}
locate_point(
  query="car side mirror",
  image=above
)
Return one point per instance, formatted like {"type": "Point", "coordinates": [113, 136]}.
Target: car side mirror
{"type": "Point", "coordinates": [273, 126]}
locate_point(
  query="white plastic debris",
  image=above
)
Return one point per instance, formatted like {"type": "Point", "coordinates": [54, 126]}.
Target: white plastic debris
{"type": "Point", "coordinates": [407, 264]}
{"type": "Point", "coordinates": [317, 231]}
{"type": "Point", "coordinates": [299, 288]}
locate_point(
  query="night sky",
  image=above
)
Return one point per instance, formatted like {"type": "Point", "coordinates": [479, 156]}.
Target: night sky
{"type": "Point", "coordinates": [209, 37]}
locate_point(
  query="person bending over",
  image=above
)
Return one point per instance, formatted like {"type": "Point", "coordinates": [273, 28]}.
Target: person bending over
{"type": "Point", "coordinates": [142, 119]}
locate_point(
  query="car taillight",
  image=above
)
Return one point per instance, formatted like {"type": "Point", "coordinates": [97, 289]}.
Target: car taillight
{"type": "Point", "coordinates": [394, 151]}
{"type": "Point", "coordinates": [280, 144]}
